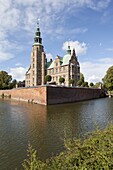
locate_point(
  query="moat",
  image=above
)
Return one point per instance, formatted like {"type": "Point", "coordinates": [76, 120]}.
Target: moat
{"type": "Point", "coordinates": [45, 127]}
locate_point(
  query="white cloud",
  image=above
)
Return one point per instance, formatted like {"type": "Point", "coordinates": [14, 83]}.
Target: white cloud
{"type": "Point", "coordinates": [94, 71]}
{"type": "Point", "coordinates": [98, 5]}
{"type": "Point", "coordinates": [106, 60]}
{"type": "Point", "coordinates": [109, 49]}
{"type": "Point", "coordinates": [18, 73]}
{"type": "Point", "coordinates": [94, 79]}
{"type": "Point", "coordinates": [80, 48]}
{"type": "Point", "coordinates": [5, 56]}
{"type": "Point", "coordinates": [18, 64]}
{"type": "Point", "coordinates": [49, 56]}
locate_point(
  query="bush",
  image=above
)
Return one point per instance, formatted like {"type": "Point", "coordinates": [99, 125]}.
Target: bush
{"type": "Point", "coordinates": [10, 96]}
{"type": "Point", "coordinates": [48, 78]}
{"type": "Point", "coordinates": [71, 81]}
{"type": "Point", "coordinates": [94, 152]}
{"type": "Point", "coordinates": [2, 95]}
{"type": "Point", "coordinates": [61, 80]}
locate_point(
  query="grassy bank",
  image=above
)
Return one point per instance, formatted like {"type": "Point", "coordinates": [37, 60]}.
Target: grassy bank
{"type": "Point", "coordinates": [94, 152]}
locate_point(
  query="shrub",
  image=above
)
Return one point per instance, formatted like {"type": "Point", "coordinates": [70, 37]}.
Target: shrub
{"type": "Point", "coordinates": [2, 95]}
{"type": "Point", "coordinates": [48, 78]}
{"type": "Point", "coordinates": [94, 152]}
{"type": "Point", "coordinates": [61, 80]}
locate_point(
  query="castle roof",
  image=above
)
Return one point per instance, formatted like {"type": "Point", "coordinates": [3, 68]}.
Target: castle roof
{"type": "Point", "coordinates": [63, 60]}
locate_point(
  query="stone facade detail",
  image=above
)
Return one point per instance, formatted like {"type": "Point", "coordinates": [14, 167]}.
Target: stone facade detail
{"type": "Point", "coordinates": [67, 67]}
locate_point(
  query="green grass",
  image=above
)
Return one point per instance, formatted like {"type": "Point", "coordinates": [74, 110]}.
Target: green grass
{"type": "Point", "coordinates": [94, 152]}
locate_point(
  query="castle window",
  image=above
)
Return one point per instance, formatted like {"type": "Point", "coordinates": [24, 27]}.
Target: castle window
{"type": "Point", "coordinates": [56, 64]}
{"type": "Point", "coordinates": [33, 65]}
{"type": "Point", "coordinates": [33, 72]}
{"type": "Point", "coordinates": [56, 78]}
{"type": "Point", "coordinates": [33, 59]}
{"type": "Point", "coordinates": [56, 70]}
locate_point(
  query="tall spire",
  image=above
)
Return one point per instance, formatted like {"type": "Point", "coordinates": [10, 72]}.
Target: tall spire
{"type": "Point", "coordinates": [38, 39]}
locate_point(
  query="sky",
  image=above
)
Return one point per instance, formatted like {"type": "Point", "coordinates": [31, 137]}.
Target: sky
{"type": "Point", "coordinates": [86, 25]}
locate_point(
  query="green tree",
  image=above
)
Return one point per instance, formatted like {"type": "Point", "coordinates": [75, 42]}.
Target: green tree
{"type": "Point", "coordinates": [48, 78]}
{"type": "Point", "coordinates": [61, 80]}
{"type": "Point", "coordinates": [98, 85]}
{"type": "Point", "coordinates": [5, 80]}
{"type": "Point", "coordinates": [108, 79]}
{"type": "Point", "coordinates": [81, 81]}
{"type": "Point", "coordinates": [71, 81]}
{"type": "Point", "coordinates": [13, 84]}
{"type": "Point", "coordinates": [91, 84]}
{"type": "Point", "coordinates": [85, 84]}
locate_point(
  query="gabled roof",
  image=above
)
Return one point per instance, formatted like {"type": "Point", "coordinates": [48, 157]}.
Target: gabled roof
{"type": "Point", "coordinates": [52, 64]}
{"type": "Point", "coordinates": [28, 71]}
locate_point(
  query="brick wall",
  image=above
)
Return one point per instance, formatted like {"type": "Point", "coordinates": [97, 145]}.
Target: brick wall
{"type": "Point", "coordinates": [58, 95]}
{"type": "Point", "coordinates": [47, 95]}
{"type": "Point", "coordinates": [34, 95]}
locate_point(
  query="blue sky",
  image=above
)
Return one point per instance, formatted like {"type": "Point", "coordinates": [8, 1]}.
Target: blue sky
{"type": "Point", "coordinates": [87, 25]}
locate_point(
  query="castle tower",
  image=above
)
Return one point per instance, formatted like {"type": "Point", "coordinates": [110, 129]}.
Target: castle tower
{"type": "Point", "coordinates": [37, 68]}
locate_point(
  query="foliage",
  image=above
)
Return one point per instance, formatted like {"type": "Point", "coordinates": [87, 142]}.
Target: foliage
{"type": "Point", "coordinates": [81, 81]}
{"type": "Point", "coordinates": [98, 85]}
{"type": "Point", "coordinates": [91, 84]}
{"type": "Point", "coordinates": [71, 81]}
{"type": "Point", "coordinates": [5, 80]}
{"type": "Point", "coordinates": [85, 84]}
{"type": "Point", "coordinates": [48, 78]}
{"type": "Point", "coordinates": [13, 84]}
{"type": "Point", "coordinates": [61, 80]}
{"type": "Point", "coordinates": [2, 95]}
{"type": "Point", "coordinates": [94, 152]}
{"type": "Point", "coordinates": [108, 79]}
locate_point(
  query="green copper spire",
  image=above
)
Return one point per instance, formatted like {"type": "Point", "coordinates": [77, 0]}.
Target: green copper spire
{"type": "Point", "coordinates": [69, 50]}
{"type": "Point", "coordinates": [38, 39]}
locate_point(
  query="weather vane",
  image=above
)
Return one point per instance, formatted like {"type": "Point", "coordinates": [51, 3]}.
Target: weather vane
{"type": "Point", "coordinates": [38, 21]}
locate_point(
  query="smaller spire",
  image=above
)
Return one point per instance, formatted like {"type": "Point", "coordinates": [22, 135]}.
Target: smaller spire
{"type": "Point", "coordinates": [38, 23]}
{"type": "Point", "coordinates": [68, 50]}
{"type": "Point", "coordinates": [74, 52]}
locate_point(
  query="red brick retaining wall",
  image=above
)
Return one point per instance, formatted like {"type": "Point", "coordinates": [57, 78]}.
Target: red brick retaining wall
{"type": "Point", "coordinates": [47, 95]}
{"type": "Point", "coordinates": [34, 95]}
{"type": "Point", "coordinates": [58, 95]}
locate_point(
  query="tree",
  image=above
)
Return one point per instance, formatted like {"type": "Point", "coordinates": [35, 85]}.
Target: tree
{"type": "Point", "coordinates": [5, 80]}
{"type": "Point", "coordinates": [108, 79]}
{"type": "Point", "coordinates": [98, 85]}
{"type": "Point", "coordinates": [81, 81]}
{"type": "Point", "coordinates": [91, 84]}
{"type": "Point", "coordinates": [48, 78]}
{"type": "Point", "coordinates": [61, 80]}
{"type": "Point", "coordinates": [71, 81]}
{"type": "Point", "coordinates": [85, 84]}
{"type": "Point", "coordinates": [13, 84]}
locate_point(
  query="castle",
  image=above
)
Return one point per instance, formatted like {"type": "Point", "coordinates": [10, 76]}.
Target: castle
{"type": "Point", "coordinates": [67, 67]}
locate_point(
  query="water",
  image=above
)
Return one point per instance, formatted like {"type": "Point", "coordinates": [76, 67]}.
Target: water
{"type": "Point", "coordinates": [45, 127]}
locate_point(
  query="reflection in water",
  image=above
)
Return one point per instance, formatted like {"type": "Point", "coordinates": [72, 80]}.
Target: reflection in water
{"type": "Point", "coordinates": [45, 127]}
